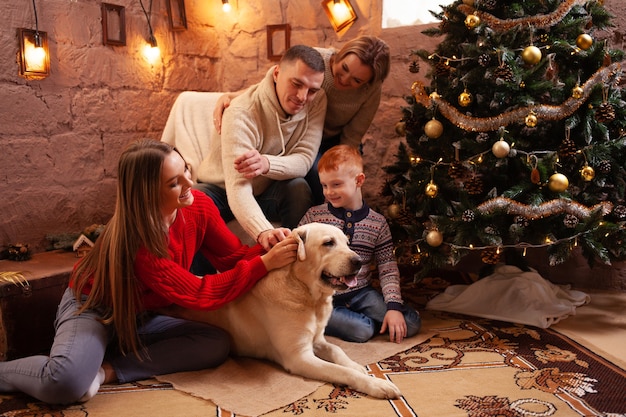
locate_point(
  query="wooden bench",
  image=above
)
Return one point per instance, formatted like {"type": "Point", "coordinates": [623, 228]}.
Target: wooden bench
{"type": "Point", "coordinates": [28, 309]}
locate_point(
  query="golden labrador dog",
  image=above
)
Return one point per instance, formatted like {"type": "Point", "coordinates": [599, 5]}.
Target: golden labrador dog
{"type": "Point", "coordinates": [282, 318]}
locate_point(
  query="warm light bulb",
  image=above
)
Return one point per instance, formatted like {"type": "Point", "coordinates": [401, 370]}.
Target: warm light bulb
{"type": "Point", "coordinates": [152, 53]}
{"type": "Point", "coordinates": [226, 7]}
{"type": "Point", "coordinates": [35, 57]}
{"type": "Point", "coordinates": [340, 10]}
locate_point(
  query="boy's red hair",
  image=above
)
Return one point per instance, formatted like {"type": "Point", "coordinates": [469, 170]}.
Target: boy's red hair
{"type": "Point", "coordinates": [345, 156]}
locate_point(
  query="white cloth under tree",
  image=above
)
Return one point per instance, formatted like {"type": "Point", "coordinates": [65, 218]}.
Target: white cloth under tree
{"type": "Point", "coordinates": [510, 294]}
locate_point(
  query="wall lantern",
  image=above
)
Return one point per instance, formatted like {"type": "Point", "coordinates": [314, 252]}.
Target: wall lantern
{"type": "Point", "coordinates": [151, 50]}
{"type": "Point", "coordinates": [34, 55]}
{"type": "Point", "coordinates": [226, 7]}
{"type": "Point", "coordinates": [340, 13]}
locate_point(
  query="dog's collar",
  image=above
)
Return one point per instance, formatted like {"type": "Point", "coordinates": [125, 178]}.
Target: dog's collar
{"type": "Point", "coordinates": [349, 217]}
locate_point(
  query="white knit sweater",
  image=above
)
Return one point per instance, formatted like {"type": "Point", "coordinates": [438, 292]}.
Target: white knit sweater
{"type": "Point", "coordinates": [255, 120]}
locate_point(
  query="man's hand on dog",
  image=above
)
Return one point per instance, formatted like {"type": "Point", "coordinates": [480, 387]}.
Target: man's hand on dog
{"type": "Point", "coordinates": [269, 238]}
{"type": "Point", "coordinates": [281, 254]}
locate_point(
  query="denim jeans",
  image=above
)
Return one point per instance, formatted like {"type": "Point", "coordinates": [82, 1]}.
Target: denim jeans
{"type": "Point", "coordinates": [357, 316]}
{"type": "Point", "coordinates": [80, 345]}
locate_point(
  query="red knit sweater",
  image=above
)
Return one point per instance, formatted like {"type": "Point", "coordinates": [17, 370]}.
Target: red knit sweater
{"type": "Point", "coordinates": [198, 227]}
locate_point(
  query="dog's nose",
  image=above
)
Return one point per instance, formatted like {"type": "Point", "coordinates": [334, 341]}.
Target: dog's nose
{"type": "Point", "coordinates": [356, 260]}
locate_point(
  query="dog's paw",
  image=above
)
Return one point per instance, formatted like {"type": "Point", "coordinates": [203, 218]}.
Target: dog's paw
{"type": "Point", "coordinates": [381, 388]}
{"type": "Point", "coordinates": [357, 367]}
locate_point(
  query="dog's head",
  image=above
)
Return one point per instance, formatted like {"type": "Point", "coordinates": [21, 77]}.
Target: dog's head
{"type": "Point", "coordinates": [324, 250]}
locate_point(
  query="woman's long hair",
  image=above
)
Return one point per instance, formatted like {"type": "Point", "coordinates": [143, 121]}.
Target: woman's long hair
{"type": "Point", "coordinates": [136, 222]}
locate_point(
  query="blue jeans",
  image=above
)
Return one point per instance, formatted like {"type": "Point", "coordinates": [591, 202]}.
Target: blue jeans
{"type": "Point", "coordinates": [80, 345]}
{"type": "Point", "coordinates": [283, 201]}
{"type": "Point", "coordinates": [357, 316]}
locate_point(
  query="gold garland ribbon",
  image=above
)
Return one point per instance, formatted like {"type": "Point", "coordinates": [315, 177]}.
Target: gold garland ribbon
{"type": "Point", "coordinates": [488, 124]}
{"type": "Point", "coordinates": [545, 209]}
{"type": "Point", "coordinates": [537, 21]}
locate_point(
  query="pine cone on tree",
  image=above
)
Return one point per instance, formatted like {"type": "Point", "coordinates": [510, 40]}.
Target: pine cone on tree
{"type": "Point", "coordinates": [620, 212]}
{"type": "Point", "coordinates": [604, 166]}
{"type": "Point", "coordinates": [456, 170]}
{"type": "Point", "coordinates": [490, 256]}
{"type": "Point", "coordinates": [468, 216]}
{"type": "Point", "coordinates": [484, 59]}
{"type": "Point", "coordinates": [567, 148]}
{"type": "Point", "coordinates": [504, 72]}
{"type": "Point", "coordinates": [570, 221]}
{"type": "Point", "coordinates": [414, 67]}
{"type": "Point", "coordinates": [474, 186]}
{"type": "Point", "coordinates": [442, 69]}
{"type": "Point", "coordinates": [605, 113]}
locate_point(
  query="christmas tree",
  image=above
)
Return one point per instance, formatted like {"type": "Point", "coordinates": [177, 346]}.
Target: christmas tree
{"type": "Point", "coordinates": [518, 142]}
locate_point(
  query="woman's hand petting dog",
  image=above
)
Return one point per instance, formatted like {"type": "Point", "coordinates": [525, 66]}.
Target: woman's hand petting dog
{"type": "Point", "coordinates": [283, 253]}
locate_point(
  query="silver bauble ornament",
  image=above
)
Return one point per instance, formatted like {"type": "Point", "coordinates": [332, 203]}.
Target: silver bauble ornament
{"type": "Point", "coordinates": [501, 149]}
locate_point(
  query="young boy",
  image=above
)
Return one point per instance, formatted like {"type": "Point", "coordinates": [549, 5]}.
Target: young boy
{"type": "Point", "coordinates": [361, 311]}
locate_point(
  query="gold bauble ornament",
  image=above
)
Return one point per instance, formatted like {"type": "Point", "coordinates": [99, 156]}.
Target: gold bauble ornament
{"type": "Point", "coordinates": [434, 238]}
{"type": "Point", "coordinates": [431, 190]}
{"type": "Point", "coordinates": [465, 98]}
{"type": "Point", "coordinates": [501, 149]}
{"type": "Point", "coordinates": [393, 211]}
{"type": "Point", "coordinates": [471, 21]}
{"type": "Point", "coordinates": [578, 92]}
{"type": "Point", "coordinates": [531, 55]}
{"type": "Point", "coordinates": [558, 183]}
{"type": "Point", "coordinates": [584, 41]}
{"type": "Point", "coordinates": [401, 129]}
{"type": "Point", "coordinates": [587, 173]}
{"type": "Point", "coordinates": [433, 129]}
{"type": "Point", "coordinates": [531, 120]}
{"type": "Point", "coordinates": [434, 95]}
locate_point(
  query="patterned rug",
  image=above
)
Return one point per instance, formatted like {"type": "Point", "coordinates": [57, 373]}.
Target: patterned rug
{"type": "Point", "coordinates": [468, 367]}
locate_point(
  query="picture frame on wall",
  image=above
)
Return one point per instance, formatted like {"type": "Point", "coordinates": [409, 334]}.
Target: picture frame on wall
{"type": "Point", "coordinates": [176, 14]}
{"type": "Point", "coordinates": [113, 24]}
{"type": "Point", "coordinates": [278, 41]}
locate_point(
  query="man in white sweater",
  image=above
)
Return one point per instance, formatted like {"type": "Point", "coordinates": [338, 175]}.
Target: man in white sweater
{"type": "Point", "coordinates": [269, 139]}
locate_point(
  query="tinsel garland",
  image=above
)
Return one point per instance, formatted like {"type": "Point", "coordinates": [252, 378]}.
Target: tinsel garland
{"type": "Point", "coordinates": [488, 124]}
{"type": "Point", "coordinates": [538, 21]}
{"type": "Point", "coordinates": [548, 208]}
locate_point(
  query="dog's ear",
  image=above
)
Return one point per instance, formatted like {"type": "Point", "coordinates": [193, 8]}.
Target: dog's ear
{"type": "Point", "coordinates": [300, 236]}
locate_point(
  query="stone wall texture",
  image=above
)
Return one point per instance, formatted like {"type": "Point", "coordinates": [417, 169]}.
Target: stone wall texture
{"type": "Point", "coordinates": [61, 136]}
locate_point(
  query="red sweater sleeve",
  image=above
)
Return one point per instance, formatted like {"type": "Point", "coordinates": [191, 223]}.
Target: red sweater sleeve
{"type": "Point", "coordinates": [168, 281]}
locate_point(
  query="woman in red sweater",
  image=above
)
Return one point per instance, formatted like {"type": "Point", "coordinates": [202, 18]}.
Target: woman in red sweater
{"type": "Point", "coordinates": [107, 325]}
